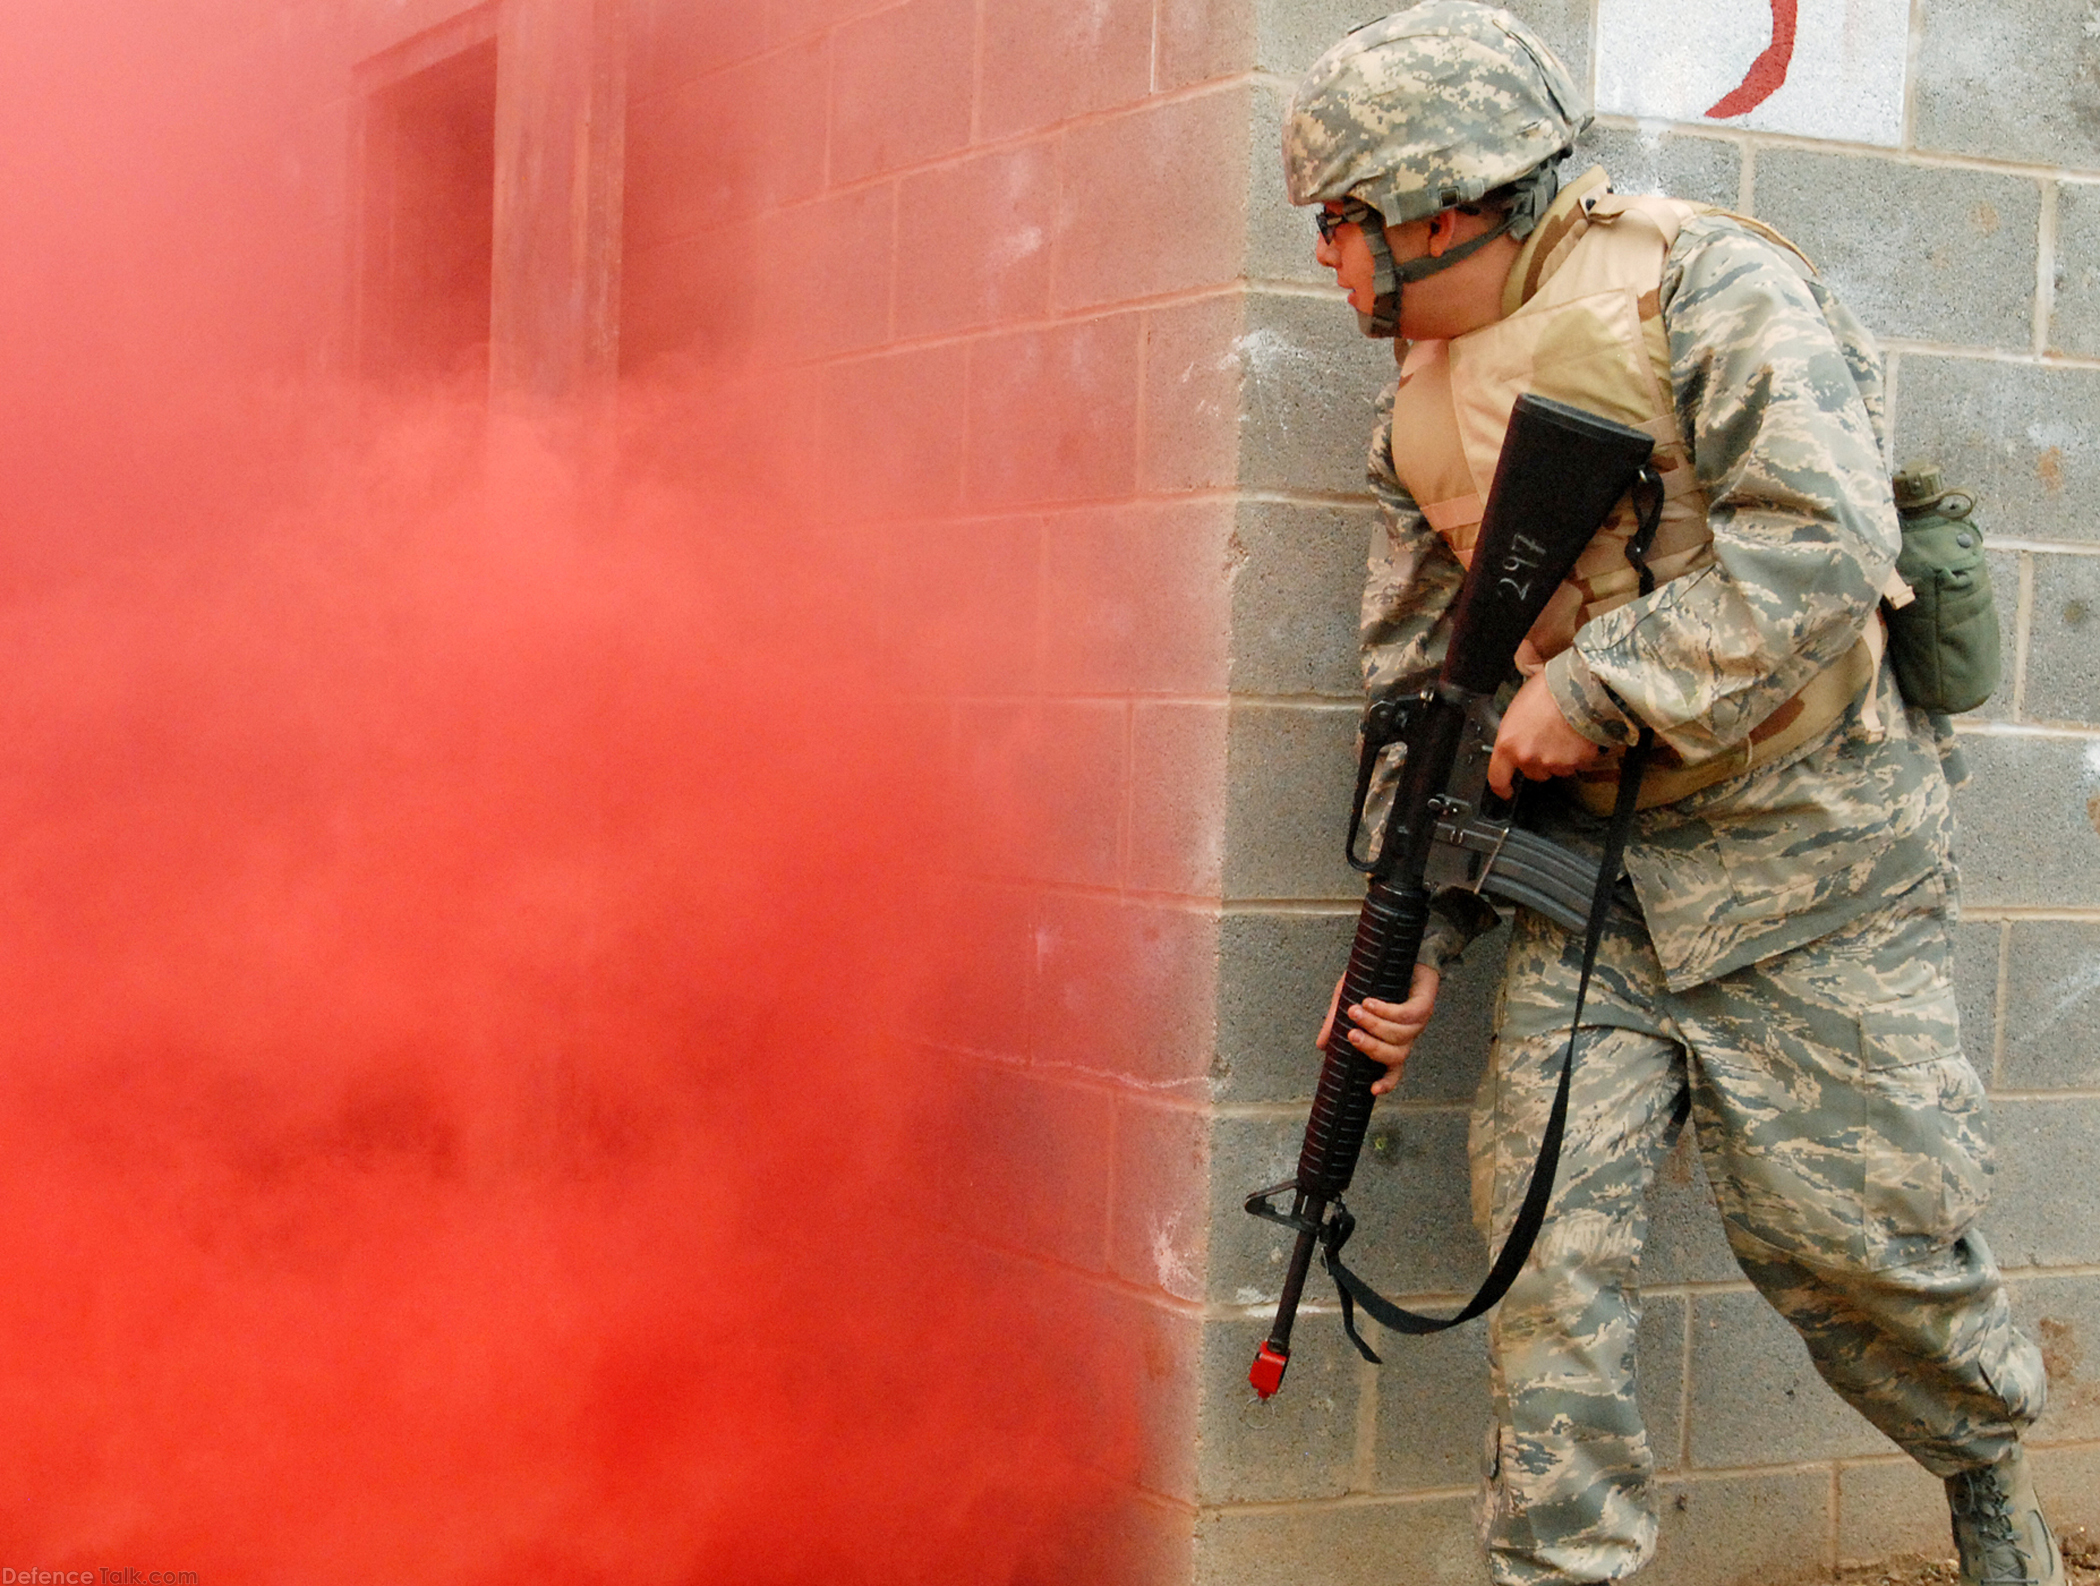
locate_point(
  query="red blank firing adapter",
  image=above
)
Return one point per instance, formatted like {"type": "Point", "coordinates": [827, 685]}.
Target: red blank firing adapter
{"type": "Point", "coordinates": [1267, 1373]}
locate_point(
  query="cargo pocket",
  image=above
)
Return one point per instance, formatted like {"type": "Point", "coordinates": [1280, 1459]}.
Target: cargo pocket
{"type": "Point", "coordinates": [1921, 1132]}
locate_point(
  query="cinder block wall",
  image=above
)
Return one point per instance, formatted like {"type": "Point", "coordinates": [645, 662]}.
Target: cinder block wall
{"type": "Point", "coordinates": [1971, 251]}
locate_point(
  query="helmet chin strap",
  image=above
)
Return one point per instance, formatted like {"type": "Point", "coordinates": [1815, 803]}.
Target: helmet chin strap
{"type": "Point", "coordinates": [1535, 194]}
{"type": "Point", "coordinates": [1389, 278]}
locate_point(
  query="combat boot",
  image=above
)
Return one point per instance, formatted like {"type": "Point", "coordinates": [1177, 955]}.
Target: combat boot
{"type": "Point", "coordinates": [1999, 1529]}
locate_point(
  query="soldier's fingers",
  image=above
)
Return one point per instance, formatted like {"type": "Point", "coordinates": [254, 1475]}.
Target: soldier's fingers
{"type": "Point", "coordinates": [1502, 768]}
{"type": "Point", "coordinates": [1387, 1022]}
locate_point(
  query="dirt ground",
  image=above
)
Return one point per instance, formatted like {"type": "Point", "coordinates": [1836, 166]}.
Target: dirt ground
{"type": "Point", "coordinates": [2081, 1566]}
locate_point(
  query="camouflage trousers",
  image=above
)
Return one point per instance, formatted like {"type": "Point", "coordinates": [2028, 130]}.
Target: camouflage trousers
{"type": "Point", "coordinates": [1843, 1133]}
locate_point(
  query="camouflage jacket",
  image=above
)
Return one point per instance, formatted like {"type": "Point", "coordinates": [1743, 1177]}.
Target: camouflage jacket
{"type": "Point", "coordinates": [1779, 395]}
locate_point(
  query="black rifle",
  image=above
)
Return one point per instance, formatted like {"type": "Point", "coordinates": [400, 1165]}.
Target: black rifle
{"type": "Point", "coordinates": [1560, 474]}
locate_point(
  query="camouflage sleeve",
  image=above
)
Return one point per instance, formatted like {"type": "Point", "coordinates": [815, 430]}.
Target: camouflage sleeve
{"type": "Point", "coordinates": [1413, 579]}
{"type": "Point", "coordinates": [1780, 411]}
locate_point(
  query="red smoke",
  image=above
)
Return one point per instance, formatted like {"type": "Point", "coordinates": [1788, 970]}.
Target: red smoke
{"type": "Point", "coordinates": [470, 892]}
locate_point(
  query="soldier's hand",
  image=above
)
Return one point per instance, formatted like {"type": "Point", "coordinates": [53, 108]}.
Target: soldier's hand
{"type": "Point", "coordinates": [1386, 1032]}
{"type": "Point", "coordinates": [1537, 740]}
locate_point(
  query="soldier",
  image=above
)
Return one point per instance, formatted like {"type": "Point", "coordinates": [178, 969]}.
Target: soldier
{"type": "Point", "coordinates": [1778, 973]}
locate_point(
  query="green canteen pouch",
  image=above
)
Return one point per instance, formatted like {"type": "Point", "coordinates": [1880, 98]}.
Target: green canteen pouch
{"type": "Point", "coordinates": [1944, 643]}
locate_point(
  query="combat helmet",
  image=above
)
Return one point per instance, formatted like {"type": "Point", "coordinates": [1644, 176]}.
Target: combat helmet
{"type": "Point", "coordinates": [1428, 108]}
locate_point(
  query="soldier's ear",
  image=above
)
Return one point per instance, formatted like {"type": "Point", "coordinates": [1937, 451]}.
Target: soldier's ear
{"type": "Point", "coordinates": [1443, 227]}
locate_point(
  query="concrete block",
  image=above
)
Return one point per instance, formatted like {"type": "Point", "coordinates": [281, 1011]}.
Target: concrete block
{"type": "Point", "coordinates": [889, 440]}
{"type": "Point", "coordinates": [2043, 1211]}
{"type": "Point", "coordinates": [1686, 1241]}
{"type": "Point", "coordinates": [1154, 200]}
{"type": "Point", "coordinates": [1355, 1544]}
{"type": "Point", "coordinates": [1192, 414]}
{"type": "Point", "coordinates": [962, 602]}
{"type": "Point", "coordinates": [701, 154]}
{"type": "Point", "coordinates": [1309, 383]}
{"type": "Point", "coordinates": [2063, 683]}
{"type": "Point", "coordinates": [1026, 1163]}
{"type": "Point", "coordinates": [1295, 33]}
{"type": "Point", "coordinates": [1298, 576]}
{"type": "Point", "coordinates": [1290, 774]}
{"type": "Point", "coordinates": [1762, 1530]}
{"type": "Point", "coordinates": [1177, 799]}
{"type": "Point", "coordinates": [2074, 316]}
{"type": "Point", "coordinates": [2067, 1480]}
{"type": "Point", "coordinates": [1891, 1509]}
{"type": "Point", "coordinates": [1157, 1225]}
{"type": "Point", "coordinates": [846, 311]}
{"type": "Point", "coordinates": [1280, 235]}
{"type": "Point", "coordinates": [1053, 413]}
{"type": "Point", "coordinates": [670, 42]}
{"type": "Point", "coordinates": [1960, 100]}
{"type": "Point", "coordinates": [1976, 951]}
{"type": "Point", "coordinates": [974, 983]}
{"type": "Point", "coordinates": [2030, 822]}
{"type": "Point", "coordinates": [1138, 599]}
{"type": "Point", "coordinates": [1046, 61]}
{"type": "Point", "coordinates": [1936, 255]}
{"type": "Point", "coordinates": [1200, 40]}
{"type": "Point", "coordinates": [1659, 1374]}
{"type": "Point", "coordinates": [973, 242]}
{"type": "Point", "coordinates": [2052, 1006]}
{"type": "Point", "coordinates": [1125, 990]}
{"type": "Point", "coordinates": [1652, 160]}
{"type": "Point", "coordinates": [902, 87]}
{"type": "Point", "coordinates": [1432, 1409]}
{"type": "Point", "coordinates": [1415, 1233]}
{"type": "Point", "coordinates": [2062, 1315]}
{"type": "Point", "coordinates": [1041, 790]}
{"type": "Point", "coordinates": [1757, 1399]}
{"type": "Point", "coordinates": [1299, 1444]}
{"type": "Point", "coordinates": [1276, 972]}
{"type": "Point", "coordinates": [2014, 434]}
{"type": "Point", "coordinates": [693, 297]}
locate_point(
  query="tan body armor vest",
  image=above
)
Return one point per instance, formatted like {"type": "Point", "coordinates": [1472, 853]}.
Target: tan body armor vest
{"type": "Point", "coordinates": [1583, 325]}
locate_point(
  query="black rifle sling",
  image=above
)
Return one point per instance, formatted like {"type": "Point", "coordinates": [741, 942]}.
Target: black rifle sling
{"type": "Point", "coordinates": [1531, 1215]}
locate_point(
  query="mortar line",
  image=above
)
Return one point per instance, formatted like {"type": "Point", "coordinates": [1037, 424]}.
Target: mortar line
{"type": "Point", "coordinates": [1684, 1388]}
{"type": "Point", "coordinates": [977, 78]}
{"type": "Point", "coordinates": [1748, 138]}
{"type": "Point", "coordinates": [2010, 542]}
{"type": "Point", "coordinates": [1830, 1535]}
{"type": "Point", "coordinates": [2027, 729]}
{"type": "Point", "coordinates": [2070, 1269]}
{"type": "Point", "coordinates": [2062, 914]}
{"type": "Point", "coordinates": [1978, 354]}
{"type": "Point", "coordinates": [1999, 994]}
{"type": "Point", "coordinates": [1363, 1473]}
{"type": "Point", "coordinates": [1913, 58]}
{"type": "Point", "coordinates": [1152, 64]}
{"type": "Point", "coordinates": [2045, 269]}
{"type": "Point", "coordinates": [1746, 179]}
{"type": "Point", "coordinates": [2068, 1093]}
{"type": "Point", "coordinates": [2023, 628]}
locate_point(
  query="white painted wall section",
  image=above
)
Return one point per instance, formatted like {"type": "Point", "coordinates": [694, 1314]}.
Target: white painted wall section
{"type": "Point", "coordinates": [1815, 68]}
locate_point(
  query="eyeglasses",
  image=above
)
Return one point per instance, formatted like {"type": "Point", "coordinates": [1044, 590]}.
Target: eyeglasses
{"type": "Point", "coordinates": [1352, 213]}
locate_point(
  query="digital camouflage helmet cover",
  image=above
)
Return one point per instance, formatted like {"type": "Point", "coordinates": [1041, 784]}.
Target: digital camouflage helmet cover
{"type": "Point", "coordinates": [1424, 110]}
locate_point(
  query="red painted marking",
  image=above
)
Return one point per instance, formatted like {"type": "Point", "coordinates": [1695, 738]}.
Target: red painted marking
{"type": "Point", "coordinates": [1768, 71]}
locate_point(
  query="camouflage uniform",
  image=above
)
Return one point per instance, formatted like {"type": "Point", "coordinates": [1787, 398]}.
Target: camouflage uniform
{"type": "Point", "coordinates": [1786, 974]}
{"type": "Point", "coordinates": [1784, 978]}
